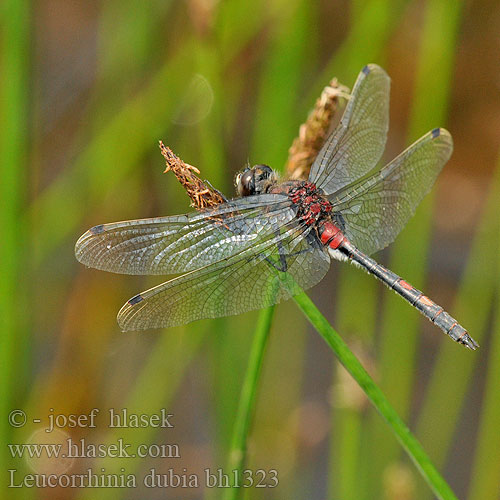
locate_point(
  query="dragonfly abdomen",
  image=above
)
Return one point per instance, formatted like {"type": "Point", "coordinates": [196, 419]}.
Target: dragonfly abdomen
{"type": "Point", "coordinates": [435, 313]}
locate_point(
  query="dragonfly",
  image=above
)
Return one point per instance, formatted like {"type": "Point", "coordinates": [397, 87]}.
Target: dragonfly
{"type": "Point", "coordinates": [277, 238]}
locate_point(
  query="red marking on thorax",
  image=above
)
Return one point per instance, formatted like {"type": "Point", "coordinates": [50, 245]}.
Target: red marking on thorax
{"type": "Point", "coordinates": [311, 205]}
{"type": "Point", "coordinates": [315, 208]}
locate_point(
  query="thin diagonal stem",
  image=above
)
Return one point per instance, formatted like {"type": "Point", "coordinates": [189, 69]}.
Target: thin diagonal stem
{"type": "Point", "coordinates": [246, 405]}
{"type": "Point", "coordinates": [376, 396]}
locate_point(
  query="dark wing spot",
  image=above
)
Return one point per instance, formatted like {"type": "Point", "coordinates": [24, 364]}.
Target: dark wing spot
{"type": "Point", "coordinates": [97, 229]}
{"type": "Point", "coordinates": [436, 132]}
{"type": "Point", "coordinates": [366, 69]}
{"type": "Point", "coordinates": [135, 300]}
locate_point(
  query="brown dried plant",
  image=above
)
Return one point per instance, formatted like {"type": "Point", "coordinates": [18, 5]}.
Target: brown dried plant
{"type": "Point", "coordinates": [202, 194]}
{"type": "Point", "coordinates": [314, 131]}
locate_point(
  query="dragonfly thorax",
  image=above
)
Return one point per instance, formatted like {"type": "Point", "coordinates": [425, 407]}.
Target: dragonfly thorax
{"type": "Point", "coordinates": [311, 205]}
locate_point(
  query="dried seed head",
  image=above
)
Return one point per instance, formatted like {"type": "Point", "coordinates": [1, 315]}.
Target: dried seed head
{"type": "Point", "coordinates": [202, 194]}
{"type": "Point", "coordinates": [314, 131]}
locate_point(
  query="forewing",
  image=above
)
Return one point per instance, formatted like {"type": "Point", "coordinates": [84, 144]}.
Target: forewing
{"type": "Point", "coordinates": [358, 142]}
{"type": "Point", "coordinates": [167, 245]}
{"type": "Point", "coordinates": [274, 270]}
{"type": "Point", "coordinates": [376, 208]}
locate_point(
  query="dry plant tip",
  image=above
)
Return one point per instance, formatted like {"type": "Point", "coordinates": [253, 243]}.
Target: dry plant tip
{"type": "Point", "coordinates": [201, 193]}
{"type": "Point", "coordinates": [314, 131]}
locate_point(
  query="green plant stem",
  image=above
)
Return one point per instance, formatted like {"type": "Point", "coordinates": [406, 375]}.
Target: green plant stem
{"type": "Point", "coordinates": [485, 480]}
{"type": "Point", "coordinates": [14, 134]}
{"type": "Point", "coordinates": [360, 375]}
{"type": "Point", "coordinates": [247, 400]}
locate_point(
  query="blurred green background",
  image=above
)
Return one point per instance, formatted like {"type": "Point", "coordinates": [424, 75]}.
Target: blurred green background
{"type": "Point", "coordinates": [86, 91]}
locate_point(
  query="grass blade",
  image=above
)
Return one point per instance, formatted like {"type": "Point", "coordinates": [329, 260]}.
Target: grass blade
{"type": "Point", "coordinates": [247, 399]}
{"type": "Point", "coordinates": [485, 482]}
{"type": "Point", "coordinates": [13, 136]}
{"type": "Point", "coordinates": [485, 477]}
{"type": "Point", "coordinates": [376, 396]}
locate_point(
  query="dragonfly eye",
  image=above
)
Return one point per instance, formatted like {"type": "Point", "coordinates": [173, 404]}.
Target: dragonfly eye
{"type": "Point", "coordinates": [245, 183]}
{"type": "Point", "coordinates": [255, 180]}
{"type": "Point", "coordinates": [262, 172]}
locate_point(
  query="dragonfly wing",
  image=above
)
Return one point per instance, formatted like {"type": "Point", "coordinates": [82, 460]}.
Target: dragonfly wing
{"type": "Point", "coordinates": [358, 142]}
{"type": "Point", "coordinates": [376, 208]}
{"type": "Point", "coordinates": [167, 245]}
{"type": "Point", "coordinates": [274, 270]}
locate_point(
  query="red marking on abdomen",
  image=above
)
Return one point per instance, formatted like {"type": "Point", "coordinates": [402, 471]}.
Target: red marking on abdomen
{"type": "Point", "coordinates": [441, 311]}
{"type": "Point", "coordinates": [425, 300]}
{"type": "Point", "coordinates": [405, 285]}
{"type": "Point", "coordinates": [329, 230]}
{"type": "Point", "coordinates": [331, 235]}
{"type": "Point", "coordinates": [337, 240]}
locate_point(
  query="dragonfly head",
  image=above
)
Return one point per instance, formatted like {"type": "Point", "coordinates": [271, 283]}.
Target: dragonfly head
{"type": "Point", "coordinates": [255, 180]}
